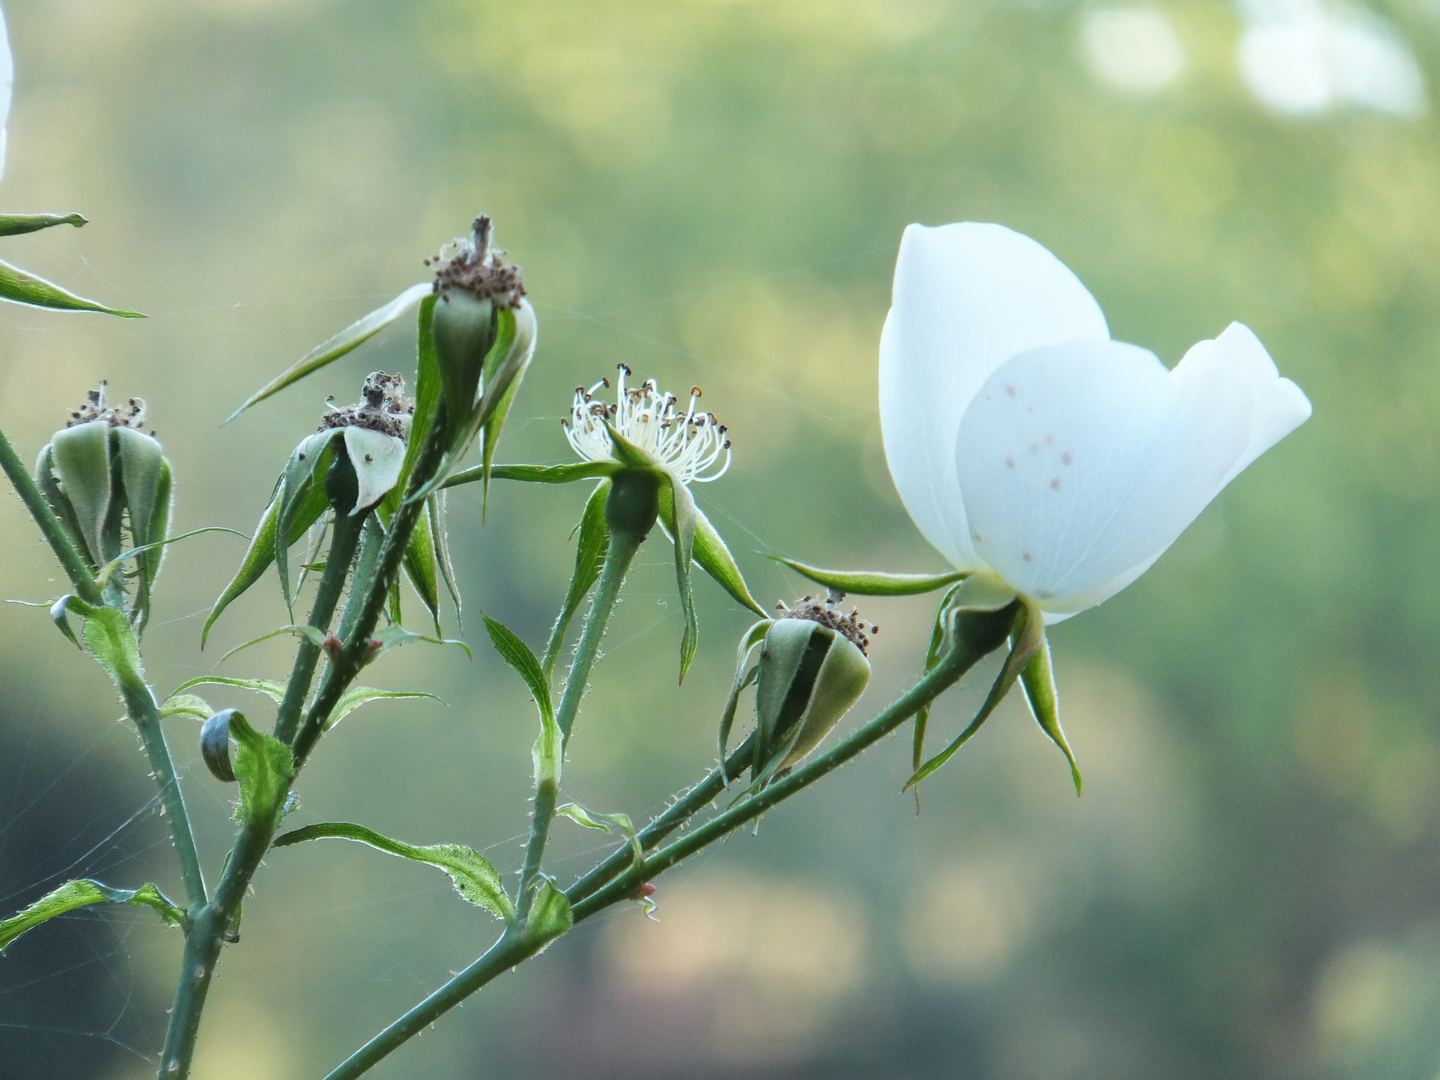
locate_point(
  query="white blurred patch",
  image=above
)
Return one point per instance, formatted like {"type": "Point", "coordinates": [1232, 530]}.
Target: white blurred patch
{"type": "Point", "coordinates": [1134, 49]}
{"type": "Point", "coordinates": [964, 923]}
{"type": "Point", "coordinates": [1299, 58]}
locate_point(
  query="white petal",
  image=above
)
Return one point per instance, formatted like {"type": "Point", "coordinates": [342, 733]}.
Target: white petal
{"type": "Point", "coordinates": [377, 459]}
{"type": "Point", "coordinates": [1280, 405]}
{"type": "Point", "coordinates": [967, 298]}
{"type": "Point", "coordinates": [1081, 463]}
{"type": "Point", "coordinates": [7, 84]}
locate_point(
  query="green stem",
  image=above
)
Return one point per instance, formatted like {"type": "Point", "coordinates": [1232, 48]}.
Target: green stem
{"type": "Point", "coordinates": [618, 556]}
{"type": "Point", "coordinates": [507, 953]}
{"type": "Point", "coordinates": [141, 708]}
{"type": "Point", "coordinates": [949, 671]}
{"type": "Point", "coordinates": [355, 650]}
{"type": "Point", "coordinates": [70, 559]}
{"type": "Point", "coordinates": [343, 540]}
{"type": "Point", "coordinates": [680, 811]}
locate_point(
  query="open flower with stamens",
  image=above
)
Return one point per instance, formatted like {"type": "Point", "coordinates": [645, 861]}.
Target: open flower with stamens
{"type": "Point", "coordinates": [687, 445]}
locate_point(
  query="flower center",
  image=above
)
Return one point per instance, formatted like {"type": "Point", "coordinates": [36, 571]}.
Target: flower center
{"type": "Point", "coordinates": [382, 407]}
{"type": "Point", "coordinates": [688, 445]}
{"type": "Point", "coordinates": [97, 407]}
{"type": "Point", "coordinates": [829, 614]}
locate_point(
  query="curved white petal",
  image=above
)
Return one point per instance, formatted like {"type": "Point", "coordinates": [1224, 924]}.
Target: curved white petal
{"type": "Point", "coordinates": [1081, 463]}
{"type": "Point", "coordinates": [7, 85]}
{"type": "Point", "coordinates": [1280, 405]}
{"type": "Point", "coordinates": [967, 298]}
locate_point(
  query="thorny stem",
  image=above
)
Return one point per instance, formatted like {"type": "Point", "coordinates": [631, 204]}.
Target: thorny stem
{"type": "Point", "coordinates": [208, 929]}
{"type": "Point", "coordinates": [141, 708]}
{"type": "Point", "coordinates": [343, 540]}
{"type": "Point", "coordinates": [70, 558]}
{"type": "Point", "coordinates": [621, 552]}
{"type": "Point", "coordinates": [139, 702]}
{"type": "Point", "coordinates": [511, 949]}
{"type": "Point", "coordinates": [355, 649]}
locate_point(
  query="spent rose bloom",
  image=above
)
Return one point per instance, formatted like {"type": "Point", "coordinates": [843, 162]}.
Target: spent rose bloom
{"type": "Point", "coordinates": [1029, 446]}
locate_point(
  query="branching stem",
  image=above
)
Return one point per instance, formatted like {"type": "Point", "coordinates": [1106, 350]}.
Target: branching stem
{"type": "Point", "coordinates": [619, 555]}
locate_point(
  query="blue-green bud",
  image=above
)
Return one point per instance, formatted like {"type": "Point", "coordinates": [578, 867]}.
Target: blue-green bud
{"type": "Point", "coordinates": [474, 286]}
{"type": "Point", "coordinates": [812, 669]}
{"type": "Point", "coordinates": [110, 485]}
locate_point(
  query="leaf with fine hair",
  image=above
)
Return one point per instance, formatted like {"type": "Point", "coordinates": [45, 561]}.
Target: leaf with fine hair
{"type": "Point", "coordinates": [1038, 682]}
{"type": "Point", "coordinates": [17, 224]}
{"type": "Point", "coordinates": [470, 872]}
{"type": "Point", "coordinates": [356, 696]}
{"type": "Point", "coordinates": [1025, 641]}
{"type": "Point", "coordinates": [263, 766]}
{"type": "Point", "coordinates": [314, 636]}
{"type": "Point", "coordinates": [614, 824]}
{"type": "Point", "coordinates": [271, 688]}
{"type": "Point", "coordinates": [82, 893]}
{"type": "Point", "coordinates": [188, 705]}
{"type": "Point", "coordinates": [108, 638]}
{"type": "Point", "coordinates": [549, 745]}
{"type": "Point", "coordinates": [874, 583]}
{"type": "Point", "coordinates": [26, 288]}
{"type": "Point", "coordinates": [395, 635]}
{"type": "Point", "coordinates": [550, 914]}
{"type": "Point", "coordinates": [568, 473]}
{"type": "Point", "coordinates": [353, 336]}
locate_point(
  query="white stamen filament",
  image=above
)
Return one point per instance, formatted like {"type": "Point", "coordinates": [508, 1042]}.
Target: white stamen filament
{"type": "Point", "coordinates": [688, 446]}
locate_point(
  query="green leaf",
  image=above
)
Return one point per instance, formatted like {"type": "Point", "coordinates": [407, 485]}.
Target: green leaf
{"type": "Point", "coordinates": [108, 638]}
{"type": "Point", "coordinates": [26, 288]}
{"type": "Point", "coordinates": [714, 558]}
{"type": "Point", "coordinates": [1038, 682]}
{"type": "Point", "coordinates": [395, 635]}
{"type": "Point", "coordinates": [1026, 639]}
{"type": "Point", "coordinates": [593, 537]}
{"type": "Point", "coordinates": [16, 224]}
{"type": "Point", "coordinates": [549, 745]}
{"type": "Point", "coordinates": [271, 688]}
{"type": "Point", "coordinates": [314, 636]}
{"type": "Point", "coordinates": [538, 474]}
{"type": "Point", "coordinates": [614, 824]}
{"type": "Point", "coordinates": [356, 696]}
{"type": "Point", "coordinates": [550, 914]}
{"type": "Point", "coordinates": [196, 708]}
{"type": "Point", "coordinates": [874, 583]}
{"type": "Point", "coordinates": [82, 893]}
{"type": "Point", "coordinates": [354, 335]}
{"type": "Point", "coordinates": [264, 766]}
{"type": "Point", "coordinates": [471, 873]}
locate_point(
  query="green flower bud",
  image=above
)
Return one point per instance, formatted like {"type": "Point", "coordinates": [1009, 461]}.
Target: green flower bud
{"type": "Point", "coordinates": [109, 483]}
{"type": "Point", "coordinates": [812, 669]}
{"type": "Point", "coordinates": [474, 286]}
{"type": "Point", "coordinates": [634, 502]}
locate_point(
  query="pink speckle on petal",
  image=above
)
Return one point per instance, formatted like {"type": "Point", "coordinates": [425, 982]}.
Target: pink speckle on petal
{"type": "Point", "coordinates": [1055, 484]}
{"type": "Point", "coordinates": [1066, 458]}
{"type": "Point", "coordinates": [1025, 556]}
{"type": "Point", "coordinates": [1009, 462]}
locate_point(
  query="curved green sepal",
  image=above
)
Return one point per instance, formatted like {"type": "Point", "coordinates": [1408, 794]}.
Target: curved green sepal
{"type": "Point", "coordinates": [17, 224]}
{"type": "Point", "coordinates": [353, 336]}
{"type": "Point", "coordinates": [82, 893]}
{"type": "Point", "coordinates": [538, 474]}
{"type": "Point", "coordinates": [939, 645]}
{"type": "Point", "coordinates": [874, 583]}
{"type": "Point", "coordinates": [592, 536]}
{"type": "Point", "coordinates": [680, 518]}
{"type": "Point", "coordinates": [1038, 682]}
{"type": "Point", "coordinates": [470, 872]}
{"type": "Point", "coordinates": [714, 558]}
{"type": "Point", "coordinates": [1025, 641]}
{"type": "Point", "coordinates": [422, 566]}
{"type": "Point", "coordinates": [26, 288]}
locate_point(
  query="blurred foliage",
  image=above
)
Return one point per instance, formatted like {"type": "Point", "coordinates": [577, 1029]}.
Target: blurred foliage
{"type": "Point", "coordinates": [712, 192]}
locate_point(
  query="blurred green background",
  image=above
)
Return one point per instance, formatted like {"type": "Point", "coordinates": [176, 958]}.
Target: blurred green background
{"type": "Point", "coordinates": [712, 192]}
